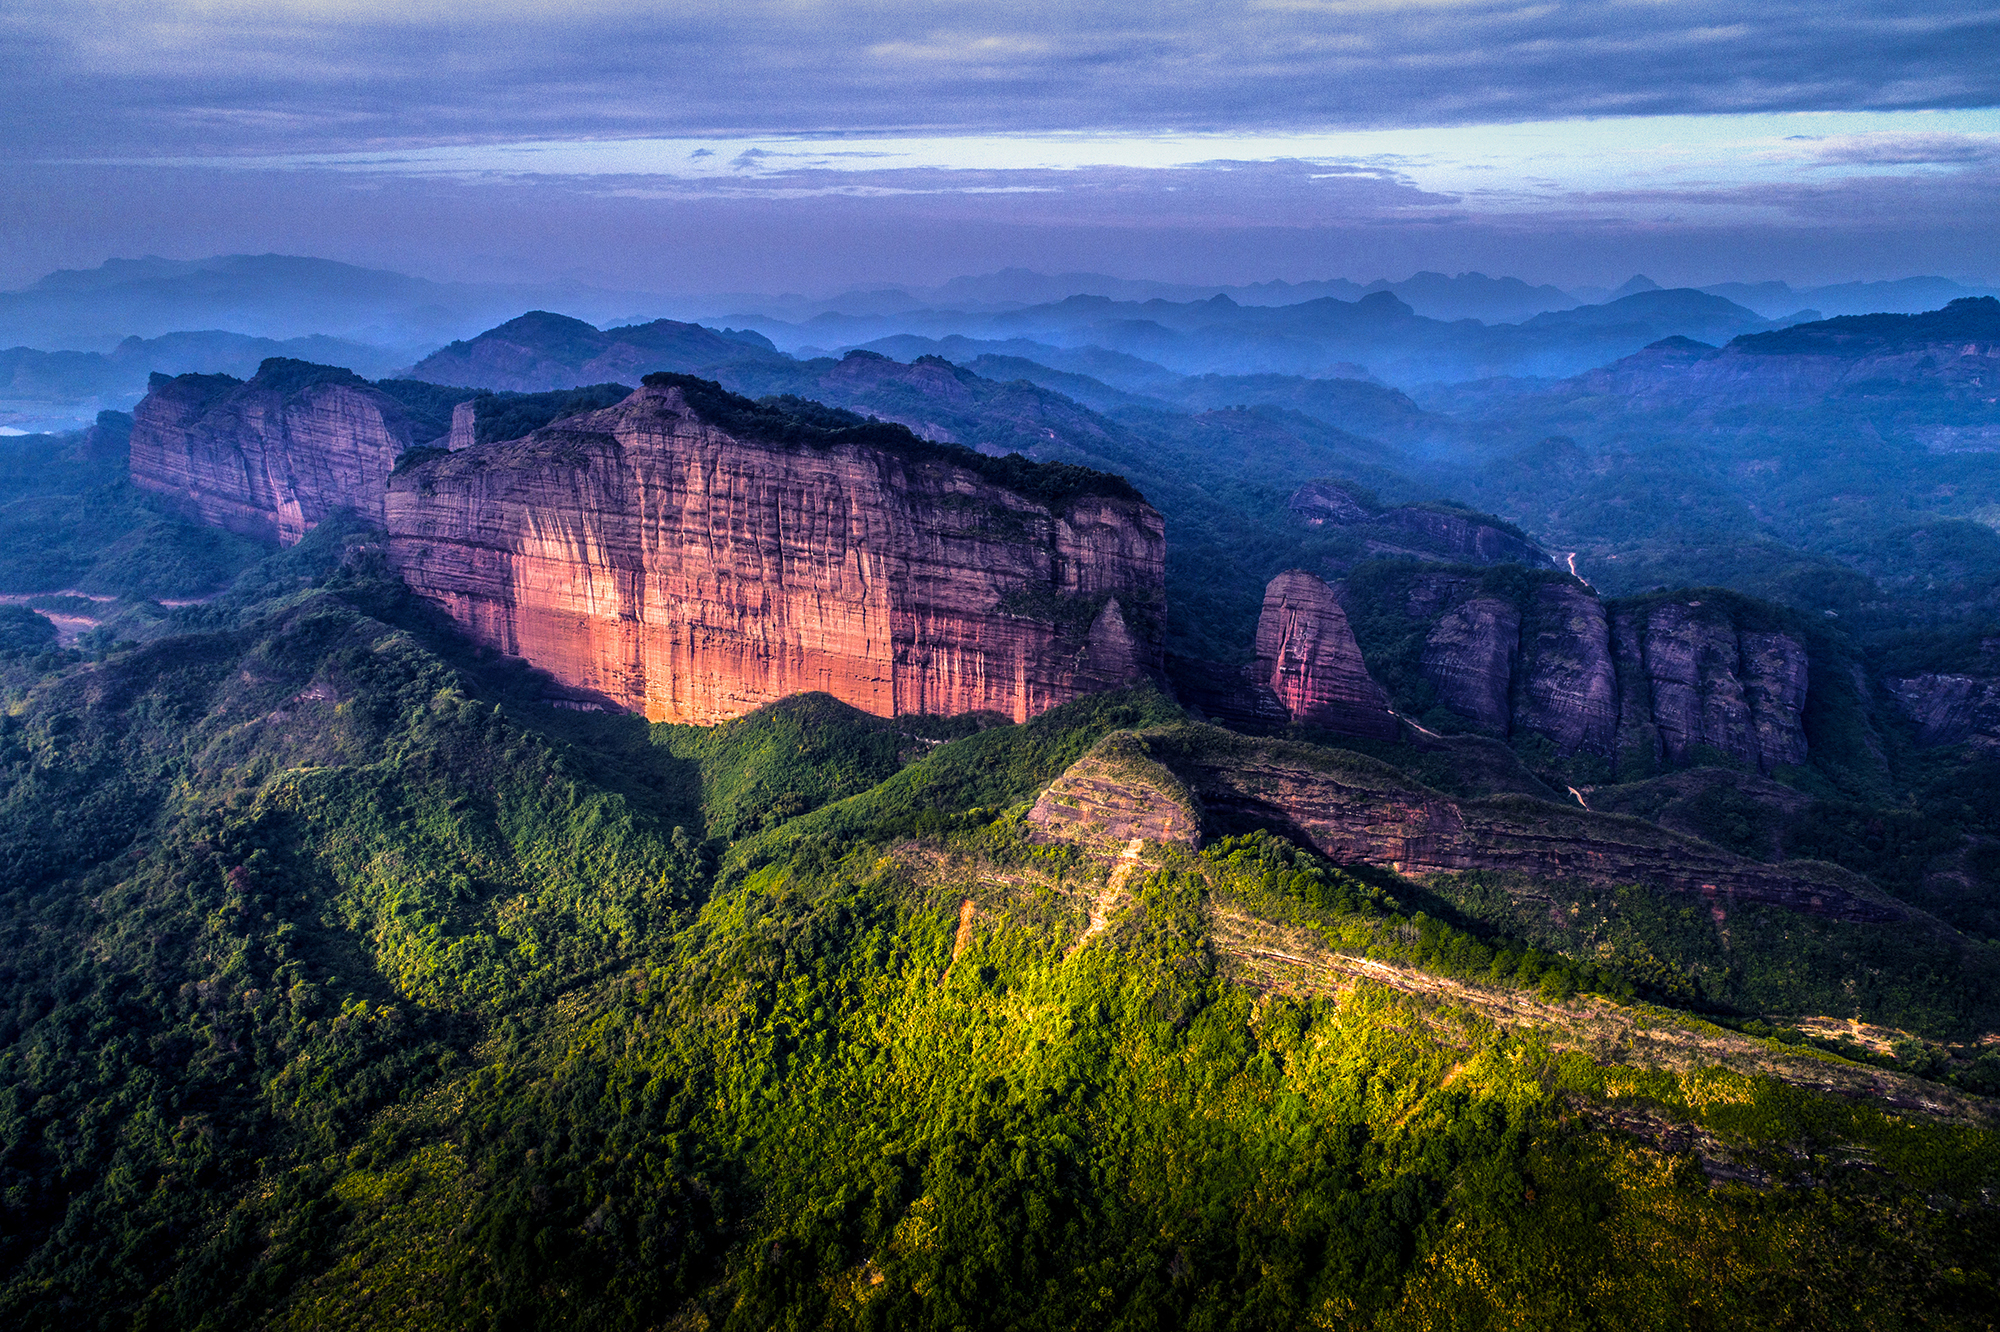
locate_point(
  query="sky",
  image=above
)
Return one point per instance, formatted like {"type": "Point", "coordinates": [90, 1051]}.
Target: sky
{"type": "Point", "coordinates": [793, 145]}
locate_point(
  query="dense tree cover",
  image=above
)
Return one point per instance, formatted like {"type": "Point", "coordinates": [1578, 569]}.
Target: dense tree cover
{"type": "Point", "coordinates": [788, 420]}
{"type": "Point", "coordinates": [343, 983]}
{"type": "Point", "coordinates": [347, 986]}
{"type": "Point", "coordinates": [71, 519]}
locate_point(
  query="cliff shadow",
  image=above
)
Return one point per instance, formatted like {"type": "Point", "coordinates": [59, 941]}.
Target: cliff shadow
{"type": "Point", "coordinates": [610, 747]}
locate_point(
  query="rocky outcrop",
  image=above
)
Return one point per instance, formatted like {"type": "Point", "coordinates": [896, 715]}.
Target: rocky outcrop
{"type": "Point", "coordinates": [1356, 811]}
{"type": "Point", "coordinates": [272, 457]}
{"type": "Point", "coordinates": [1308, 670]}
{"type": "Point", "coordinates": [690, 555]}
{"type": "Point", "coordinates": [1308, 659]}
{"type": "Point", "coordinates": [1114, 794]}
{"type": "Point", "coordinates": [1951, 709]}
{"type": "Point", "coordinates": [1569, 688]}
{"type": "Point", "coordinates": [1469, 657]}
{"type": "Point", "coordinates": [1737, 694]}
{"type": "Point", "coordinates": [1643, 686]}
{"type": "Point", "coordinates": [1435, 532]}
{"type": "Point", "coordinates": [464, 426]}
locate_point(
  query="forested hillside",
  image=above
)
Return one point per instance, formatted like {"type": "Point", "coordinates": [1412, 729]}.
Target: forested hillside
{"type": "Point", "coordinates": [348, 984]}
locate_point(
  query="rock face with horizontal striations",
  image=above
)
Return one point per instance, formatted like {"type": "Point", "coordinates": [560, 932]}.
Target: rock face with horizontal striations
{"type": "Point", "coordinates": [1307, 657]}
{"type": "Point", "coordinates": [691, 556]}
{"type": "Point", "coordinates": [1356, 811]}
{"type": "Point", "coordinates": [271, 457]}
{"type": "Point", "coordinates": [1114, 794]}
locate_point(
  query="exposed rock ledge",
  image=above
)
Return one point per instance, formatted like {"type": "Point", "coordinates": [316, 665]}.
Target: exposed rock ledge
{"type": "Point", "coordinates": [1354, 810]}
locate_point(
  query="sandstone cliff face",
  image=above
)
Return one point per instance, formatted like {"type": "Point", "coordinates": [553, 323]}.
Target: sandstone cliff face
{"type": "Point", "coordinates": [264, 458]}
{"type": "Point", "coordinates": [1742, 694]}
{"type": "Point", "coordinates": [1951, 709]}
{"type": "Point", "coordinates": [1469, 656]}
{"type": "Point", "coordinates": [647, 557]}
{"type": "Point", "coordinates": [1307, 657]}
{"type": "Point", "coordinates": [1308, 670]}
{"type": "Point", "coordinates": [1641, 686]}
{"type": "Point", "coordinates": [1569, 692]}
{"type": "Point", "coordinates": [1354, 811]}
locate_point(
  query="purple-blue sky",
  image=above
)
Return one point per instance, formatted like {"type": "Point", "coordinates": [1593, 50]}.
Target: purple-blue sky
{"type": "Point", "coordinates": [766, 145]}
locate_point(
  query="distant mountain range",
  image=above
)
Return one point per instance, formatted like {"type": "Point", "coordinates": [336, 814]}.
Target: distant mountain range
{"type": "Point", "coordinates": [1379, 335]}
{"type": "Point", "coordinates": [83, 340]}
{"type": "Point", "coordinates": [288, 296]}
{"type": "Point", "coordinates": [276, 296]}
{"type": "Point", "coordinates": [1470, 295]}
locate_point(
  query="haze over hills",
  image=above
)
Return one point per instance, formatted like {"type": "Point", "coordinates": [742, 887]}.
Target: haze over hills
{"type": "Point", "coordinates": [1141, 753]}
{"type": "Point", "coordinates": [271, 296]}
{"type": "Point", "coordinates": [1470, 295]}
{"type": "Point", "coordinates": [1322, 338]}
{"type": "Point", "coordinates": [1000, 668]}
{"type": "Point", "coordinates": [88, 338]}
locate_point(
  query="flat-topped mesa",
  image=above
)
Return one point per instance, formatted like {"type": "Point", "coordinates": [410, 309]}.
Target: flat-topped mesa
{"type": "Point", "coordinates": [1307, 657]}
{"type": "Point", "coordinates": [271, 457]}
{"type": "Point", "coordinates": [691, 555]}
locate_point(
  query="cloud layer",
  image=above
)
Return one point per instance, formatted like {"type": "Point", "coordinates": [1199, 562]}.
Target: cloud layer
{"type": "Point", "coordinates": [813, 143]}
{"type": "Point", "coordinates": [122, 78]}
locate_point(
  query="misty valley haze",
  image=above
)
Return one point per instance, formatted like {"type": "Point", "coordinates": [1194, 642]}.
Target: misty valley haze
{"type": "Point", "coordinates": [1233, 666]}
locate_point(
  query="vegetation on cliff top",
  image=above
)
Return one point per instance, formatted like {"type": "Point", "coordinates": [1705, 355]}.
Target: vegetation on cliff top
{"type": "Point", "coordinates": [796, 422]}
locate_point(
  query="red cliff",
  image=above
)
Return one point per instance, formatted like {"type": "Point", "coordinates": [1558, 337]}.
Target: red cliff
{"type": "Point", "coordinates": [1645, 685]}
{"type": "Point", "coordinates": [272, 457]}
{"type": "Point", "coordinates": [1307, 657]}
{"type": "Point", "coordinates": [692, 556]}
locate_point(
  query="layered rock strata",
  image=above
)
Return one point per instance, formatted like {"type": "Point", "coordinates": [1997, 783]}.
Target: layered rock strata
{"type": "Point", "coordinates": [694, 560]}
{"type": "Point", "coordinates": [272, 457]}
{"type": "Point", "coordinates": [1356, 811]}
{"type": "Point", "coordinates": [1115, 794]}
